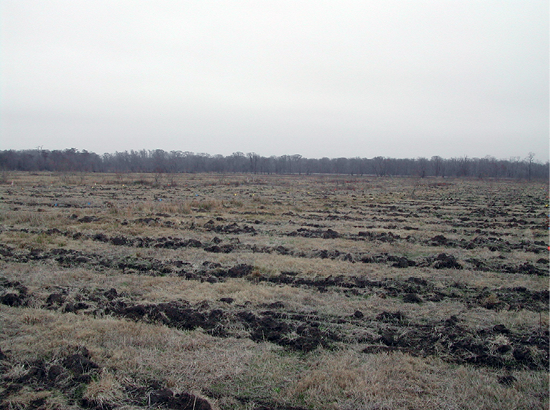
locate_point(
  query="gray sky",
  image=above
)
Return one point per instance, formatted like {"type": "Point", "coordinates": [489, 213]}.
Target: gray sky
{"type": "Point", "coordinates": [397, 78]}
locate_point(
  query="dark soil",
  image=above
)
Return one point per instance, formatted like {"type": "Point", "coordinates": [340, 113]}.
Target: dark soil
{"type": "Point", "coordinates": [439, 261]}
{"type": "Point", "coordinates": [423, 239]}
{"type": "Point", "coordinates": [69, 375]}
{"type": "Point", "coordinates": [306, 332]}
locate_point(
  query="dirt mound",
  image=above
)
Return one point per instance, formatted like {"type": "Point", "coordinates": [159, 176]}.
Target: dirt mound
{"type": "Point", "coordinates": [70, 375]}
{"type": "Point", "coordinates": [444, 261]}
{"type": "Point", "coordinates": [182, 401]}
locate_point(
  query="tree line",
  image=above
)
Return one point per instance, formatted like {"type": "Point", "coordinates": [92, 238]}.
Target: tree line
{"type": "Point", "coordinates": [160, 161]}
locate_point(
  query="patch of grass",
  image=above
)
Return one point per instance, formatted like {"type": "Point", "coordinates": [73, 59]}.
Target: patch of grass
{"type": "Point", "coordinates": [326, 282]}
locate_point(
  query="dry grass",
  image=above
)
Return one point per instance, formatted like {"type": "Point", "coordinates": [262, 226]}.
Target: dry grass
{"type": "Point", "coordinates": [197, 361]}
{"type": "Point", "coordinates": [232, 370]}
{"type": "Point", "coordinates": [397, 381]}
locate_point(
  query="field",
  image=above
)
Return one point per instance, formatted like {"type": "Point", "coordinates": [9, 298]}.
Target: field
{"type": "Point", "coordinates": [272, 292]}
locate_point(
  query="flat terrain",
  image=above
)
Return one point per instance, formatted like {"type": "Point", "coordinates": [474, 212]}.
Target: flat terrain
{"type": "Point", "coordinates": [272, 292]}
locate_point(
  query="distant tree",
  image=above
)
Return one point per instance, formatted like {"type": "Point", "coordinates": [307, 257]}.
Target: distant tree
{"type": "Point", "coordinates": [491, 167]}
{"type": "Point", "coordinates": [341, 165]}
{"type": "Point", "coordinates": [530, 159]}
{"type": "Point", "coordinates": [325, 166]}
{"type": "Point", "coordinates": [254, 160]}
{"type": "Point", "coordinates": [422, 167]}
{"type": "Point", "coordinates": [464, 166]}
{"type": "Point", "coordinates": [177, 161]}
{"type": "Point", "coordinates": [238, 162]}
{"type": "Point", "coordinates": [296, 161]}
{"type": "Point", "coordinates": [438, 166]}
{"type": "Point", "coordinates": [356, 166]}
{"type": "Point", "coordinates": [380, 166]}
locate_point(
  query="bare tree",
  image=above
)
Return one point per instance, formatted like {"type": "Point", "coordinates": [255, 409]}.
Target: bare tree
{"type": "Point", "coordinates": [254, 161]}
{"type": "Point", "coordinates": [438, 166]}
{"type": "Point", "coordinates": [380, 166]}
{"type": "Point", "coordinates": [422, 167]}
{"type": "Point", "coordinates": [530, 159]}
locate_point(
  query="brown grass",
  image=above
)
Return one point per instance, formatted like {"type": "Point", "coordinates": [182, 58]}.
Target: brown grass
{"type": "Point", "coordinates": [234, 372]}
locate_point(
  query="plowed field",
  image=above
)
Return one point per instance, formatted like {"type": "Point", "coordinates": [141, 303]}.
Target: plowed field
{"type": "Point", "coordinates": [272, 292]}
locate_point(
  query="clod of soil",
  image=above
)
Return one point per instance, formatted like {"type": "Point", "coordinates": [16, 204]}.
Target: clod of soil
{"type": "Point", "coordinates": [181, 401]}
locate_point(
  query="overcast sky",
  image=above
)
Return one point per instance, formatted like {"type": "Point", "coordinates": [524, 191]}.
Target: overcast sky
{"type": "Point", "coordinates": [396, 78]}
